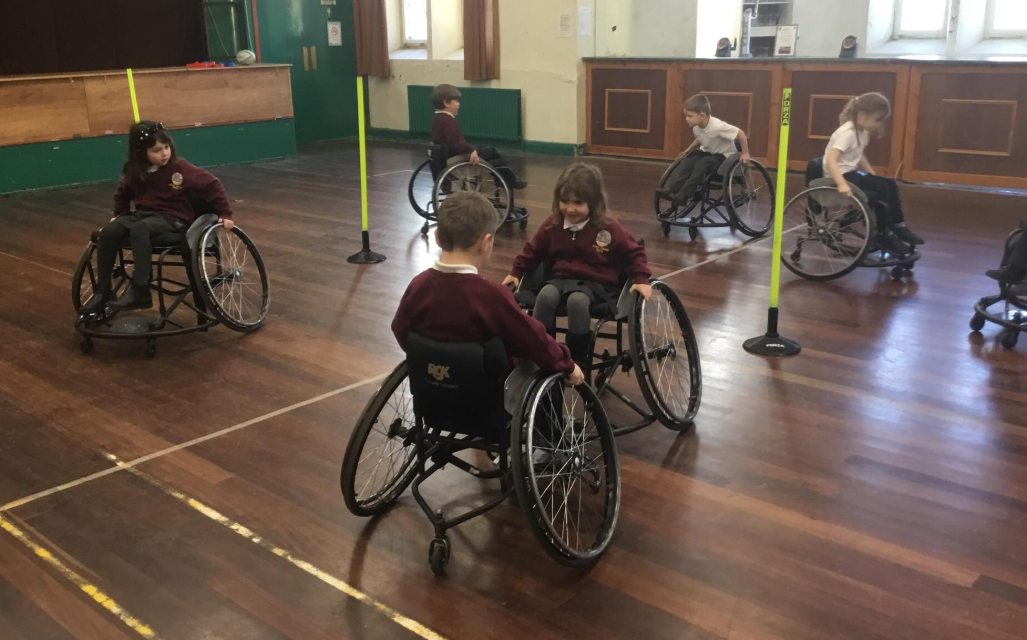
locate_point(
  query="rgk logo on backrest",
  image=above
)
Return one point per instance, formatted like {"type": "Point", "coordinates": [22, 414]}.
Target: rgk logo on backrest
{"type": "Point", "coordinates": [438, 372]}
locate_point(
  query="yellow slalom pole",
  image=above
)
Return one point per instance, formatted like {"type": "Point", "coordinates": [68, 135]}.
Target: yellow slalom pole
{"type": "Point", "coordinates": [772, 343]}
{"type": "Point", "coordinates": [365, 255]}
{"type": "Point", "coordinates": [132, 94]}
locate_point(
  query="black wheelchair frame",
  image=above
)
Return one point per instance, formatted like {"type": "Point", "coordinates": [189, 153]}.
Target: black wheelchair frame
{"type": "Point", "coordinates": [1012, 316]}
{"type": "Point", "coordinates": [448, 171]}
{"type": "Point", "coordinates": [723, 205]}
{"type": "Point", "coordinates": [177, 250]}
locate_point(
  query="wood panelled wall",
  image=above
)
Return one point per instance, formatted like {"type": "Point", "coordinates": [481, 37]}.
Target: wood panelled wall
{"type": "Point", "coordinates": [956, 123]}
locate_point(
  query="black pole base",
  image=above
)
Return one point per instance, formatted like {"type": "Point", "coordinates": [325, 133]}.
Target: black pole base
{"type": "Point", "coordinates": [365, 255]}
{"type": "Point", "coordinates": [772, 345]}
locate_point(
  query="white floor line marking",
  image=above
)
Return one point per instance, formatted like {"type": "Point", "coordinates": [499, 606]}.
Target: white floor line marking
{"type": "Point", "coordinates": [744, 246]}
{"type": "Point", "coordinates": [37, 264]}
{"type": "Point", "coordinates": [392, 173]}
{"type": "Point", "coordinates": [407, 623]}
{"type": "Point", "coordinates": [186, 445]}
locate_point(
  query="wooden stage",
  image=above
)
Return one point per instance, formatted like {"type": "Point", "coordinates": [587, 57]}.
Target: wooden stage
{"type": "Point", "coordinates": [873, 487]}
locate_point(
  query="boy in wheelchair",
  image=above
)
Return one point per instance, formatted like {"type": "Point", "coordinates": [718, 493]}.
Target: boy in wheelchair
{"type": "Point", "coordinates": [451, 303]}
{"type": "Point", "coordinates": [445, 131]}
{"type": "Point", "coordinates": [714, 142]}
{"type": "Point", "coordinates": [1014, 270]}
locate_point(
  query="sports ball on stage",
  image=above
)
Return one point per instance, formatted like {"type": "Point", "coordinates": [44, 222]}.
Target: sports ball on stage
{"type": "Point", "coordinates": [246, 57]}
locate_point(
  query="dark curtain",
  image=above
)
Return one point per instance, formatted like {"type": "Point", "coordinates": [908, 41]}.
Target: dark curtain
{"type": "Point", "coordinates": [372, 38]}
{"type": "Point", "coordinates": [50, 36]}
{"type": "Point", "coordinates": [481, 39]}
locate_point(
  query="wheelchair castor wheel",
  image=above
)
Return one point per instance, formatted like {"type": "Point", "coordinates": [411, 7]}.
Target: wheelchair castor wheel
{"type": "Point", "coordinates": [151, 348]}
{"type": "Point", "coordinates": [438, 555]}
{"type": "Point", "coordinates": [977, 322]}
{"type": "Point", "coordinates": [524, 224]}
{"type": "Point", "coordinates": [898, 272]}
{"type": "Point", "coordinates": [666, 229]}
{"type": "Point", "coordinates": [86, 346]}
{"type": "Point", "coordinates": [1009, 338]}
{"type": "Point", "coordinates": [424, 229]}
{"type": "Point", "coordinates": [693, 233]}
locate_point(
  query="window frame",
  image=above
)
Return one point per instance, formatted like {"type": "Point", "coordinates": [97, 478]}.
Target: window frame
{"type": "Point", "coordinates": [991, 33]}
{"type": "Point", "coordinates": [407, 43]}
{"type": "Point", "coordinates": [941, 34]}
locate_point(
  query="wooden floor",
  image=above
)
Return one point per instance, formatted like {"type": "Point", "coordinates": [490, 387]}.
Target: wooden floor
{"type": "Point", "coordinates": [873, 487]}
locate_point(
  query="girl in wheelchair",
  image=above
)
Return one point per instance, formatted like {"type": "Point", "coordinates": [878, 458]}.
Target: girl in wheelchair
{"type": "Point", "coordinates": [844, 162]}
{"type": "Point", "coordinates": [166, 191]}
{"type": "Point", "coordinates": [589, 252]}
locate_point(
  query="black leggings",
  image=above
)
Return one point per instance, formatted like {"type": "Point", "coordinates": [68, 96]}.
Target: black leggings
{"type": "Point", "coordinates": [140, 228]}
{"type": "Point", "coordinates": [492, 156]}
{"type": "Point", "coordinates": [692, 172]}
{"type": "Point", "coordinates": [886, 190]}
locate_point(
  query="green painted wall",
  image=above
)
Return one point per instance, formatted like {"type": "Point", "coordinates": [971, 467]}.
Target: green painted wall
{"type": "Point", "coordinates": [524, 146]}
{"type": "Point", "coordinates": [485, 113]}
{"type": "Point", "coordinates": [56, 164]}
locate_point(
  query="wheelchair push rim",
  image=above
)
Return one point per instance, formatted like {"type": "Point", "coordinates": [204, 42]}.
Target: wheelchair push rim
{"type": "Point", "coordinates": [381, 457]}
{"type": "Point", "coordinates": [566, 471]}
{"type": "Point", "coordinates": [83, 282]}
{"type": "Point", "coordinates": [749, 193]}
{"type": "Point", "coordinates": [232, 278]}
{"type": "Point", "coordinates": [421, 192]}
{"type": "Point", "coordinates": [665, 357]}
{"type": "Point", "coordinates": [665, 209]}
{"type": "Point", "coordinates": [481, 177]}
{"type": "Point", "coordinates": [826, 235]}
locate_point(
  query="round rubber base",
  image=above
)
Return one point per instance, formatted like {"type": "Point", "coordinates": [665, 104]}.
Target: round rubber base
{"type": "Point", "coordinates": [366, 257]}
{"type": "Point", "coordinates": [772, 345]}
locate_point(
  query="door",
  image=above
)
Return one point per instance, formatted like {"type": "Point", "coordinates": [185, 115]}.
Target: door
{"type": "Point", "coordinates": [324, 90]}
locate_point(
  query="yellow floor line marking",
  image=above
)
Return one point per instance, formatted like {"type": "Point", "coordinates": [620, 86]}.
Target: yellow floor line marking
{"type": "Point", "coordinates": [186, 445]}
{"type": "Point", "coordinates": [87, 587]}
{"type": "Point", "coordinates": [407, 623]}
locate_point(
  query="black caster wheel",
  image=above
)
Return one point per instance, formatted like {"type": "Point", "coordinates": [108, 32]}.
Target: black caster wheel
{"type": "Point", "coordinates": [424, 229]}
{"type": "Point", "coordinates": [438, 555]}
{"type": "Point", "coordinates": [977, 322]}
{"type": "Point", "coordinates": [86, 346]}
{"type": "Point", "coordinates": [693, 233]}
{"type": "Point", "coordinates": [524, 224]}
{"type": "Point", "coordinates": [151, 348]}
{"type": "Point", "coordinates": [897, 272]}
{"type": "Point", "coordinates": [1009, 338]}
{"type": "Point", "coordinates": [666, 230]}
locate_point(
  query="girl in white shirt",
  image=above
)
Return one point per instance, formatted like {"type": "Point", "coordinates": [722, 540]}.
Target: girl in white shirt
{"type": "Point", "coordinates": [864, 117]}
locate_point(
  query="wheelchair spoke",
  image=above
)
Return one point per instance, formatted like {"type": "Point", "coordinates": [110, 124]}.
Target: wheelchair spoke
{"type": "Point", "coordinates": [387, 452]}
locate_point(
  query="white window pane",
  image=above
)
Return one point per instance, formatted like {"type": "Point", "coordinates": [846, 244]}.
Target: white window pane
{"type": "Point", "coordinates": [1010, 15]}
{"type": "Point", "coordinates": [922, 15]}
{"type": "Point", "coordinates": [415, 20]}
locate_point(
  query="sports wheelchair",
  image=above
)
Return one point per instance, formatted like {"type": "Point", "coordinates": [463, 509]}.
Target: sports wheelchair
{"type": "Point", "coordinates": [1012, 314]}
{"type": "Point", "coordinates": [225, 278]}
{"type": "Point", "coordinates": [740, 195]}
{"type": "Point", "coordinates": [827, 235]}
{"type": "Point", "coordinates": [442, 175]}
{"type": "Point", "coordinates": [549, 444]}
{"type": "Point", "coordinates": [661, 349]}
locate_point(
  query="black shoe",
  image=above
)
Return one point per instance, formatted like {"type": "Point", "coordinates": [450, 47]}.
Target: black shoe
{"type": "Point", "coordinates": [1007, 274]}
{"type": "Point", "coordinates": [97, 304]}
{"type": "Point", "coordinates": [675, 198]}
{"type": "Point", "coordinates": [136, 297]}
{"type": "Point", "coordinates": [894, 246]}
{"type": "Point", "coordinates": [907, 236]}
{"type": "Point", "coordinates": [520, 184]}
{"type": "Point", "coordinates": [664, 194]}
{"type": "Point", "coordinates": [581, 347]}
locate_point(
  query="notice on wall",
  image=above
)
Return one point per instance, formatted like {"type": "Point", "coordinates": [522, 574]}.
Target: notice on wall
{"type": "Point", "coordinates": [566, 26]}
{"type": "Point", "coordinates": [784, 44]}
{"type": "Point", "coordinates": [584, 21]}
{"type": "Point", "coordinates": [334, 34]}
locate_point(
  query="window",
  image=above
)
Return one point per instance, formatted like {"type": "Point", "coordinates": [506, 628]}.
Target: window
{"type": "Point", "coordinates": [415, 23]}
{"type": "Point", "coordinates": [921, 18]}
{"type": "Point", "coordinates": [1007, 18]}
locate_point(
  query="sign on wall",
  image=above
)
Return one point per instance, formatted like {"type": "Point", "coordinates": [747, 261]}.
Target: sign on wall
{"type": "Point", "coordinates": [334, 33]}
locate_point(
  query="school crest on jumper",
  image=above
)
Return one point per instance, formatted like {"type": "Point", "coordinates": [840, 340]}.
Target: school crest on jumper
{"type": "Point", "coordinates": [176, 181]}
{"type": "Point", "coordinates": [603, 240]}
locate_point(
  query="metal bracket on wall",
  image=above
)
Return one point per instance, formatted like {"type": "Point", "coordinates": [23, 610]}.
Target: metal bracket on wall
{"type": "Point", "coordinates": [306, 59]}
{"type": "Point", "coordinates": [313, 58]}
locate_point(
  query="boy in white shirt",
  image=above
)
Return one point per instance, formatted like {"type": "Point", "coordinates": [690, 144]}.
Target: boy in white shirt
{"type": "Point", "coordinates": [715, 140]}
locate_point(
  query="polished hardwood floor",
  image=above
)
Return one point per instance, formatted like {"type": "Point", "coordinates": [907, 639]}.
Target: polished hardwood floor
{"type": "Point", "coordinates": [873, 487]}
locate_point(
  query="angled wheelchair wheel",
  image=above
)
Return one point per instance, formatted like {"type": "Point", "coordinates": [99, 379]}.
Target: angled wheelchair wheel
{"type": "Point", "coordinates": [421, 192]}
{"type": "Point", "coordinates": [231, 277]}
{"type": "Point", "coordinates": [480, 177]}
{"type": "Point", "coordinates": [566, 472]}
{"type": "Point", "coordinates": [665, 208]}
{"type": "Point", "coordinates": [83, 282]}
{"type": "Point", "coordinates": [826, 235]}
{"type": "Point", "coordinates": [665, 357]}
{"type": "Point", "coordinates": [750, 198]}
{"type": "Point", "coordinates": [381, 457]}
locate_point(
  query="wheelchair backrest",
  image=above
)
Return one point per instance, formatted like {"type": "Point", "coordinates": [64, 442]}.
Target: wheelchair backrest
{"type": "Point", "coordinates": [458, 386]}
{"type": "Point", "coordinates": [438, 155]}
{"type": "Point", "coordinates": [814, 170]}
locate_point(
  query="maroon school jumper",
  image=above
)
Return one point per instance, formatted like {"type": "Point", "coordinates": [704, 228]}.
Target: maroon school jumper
{"type": "Point", "coordinates": [446, 130]}
{"type": "Point", "coordinates": [172, 189]}
{"type": "Point", "coordinates": [464, 307]}
{"type": "Point", "coordinates": [592, 254]}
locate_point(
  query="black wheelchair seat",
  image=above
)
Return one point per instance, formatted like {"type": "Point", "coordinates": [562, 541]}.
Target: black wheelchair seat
{"type": "Point", "coordinates": [531, 284]}
{"type": "Point", "coordinates": [170, 242]}
{"type": "Point", "coordinates": [459, 387]}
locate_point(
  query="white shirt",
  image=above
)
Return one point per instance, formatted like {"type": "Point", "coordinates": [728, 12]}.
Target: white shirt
{"type": "Point", "coordinates": [851, 145]}
{"type": "Point", "coordinates": [455, 268]}
{"type": "Point", "coordinates": [575, 227]}
{"type": "Point", "coordinates": [717, 137]}
{"type": "Point", "coordinates": [438, 111]}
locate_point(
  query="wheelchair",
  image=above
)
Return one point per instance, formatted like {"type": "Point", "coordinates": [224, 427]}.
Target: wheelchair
{"type": "Point", "coordinates": [1010, 304]}
{"type": "Point", "coordinates": [549, 444]}
{"type": "Point", "coordinates": [225, 283]}
{"type": "Point", "coordinates": [660, 348]}
{"type": "Point", "coordinates": [442, 175]}
{"type": "Point", "coordinates": [740, 196]}
{"type": "Point", "coordinates": [828, 235]}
